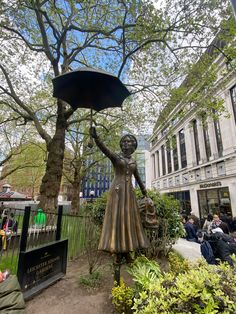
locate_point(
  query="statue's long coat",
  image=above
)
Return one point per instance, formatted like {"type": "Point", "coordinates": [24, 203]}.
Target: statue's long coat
{"type": "Point", "coordinates": [122, 229]}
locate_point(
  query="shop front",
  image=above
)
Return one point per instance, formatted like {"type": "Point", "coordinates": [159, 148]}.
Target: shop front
{"type": "Point", "coordinates": [214, 200]}
{"type": "Point", "coordinates": [184, 198]}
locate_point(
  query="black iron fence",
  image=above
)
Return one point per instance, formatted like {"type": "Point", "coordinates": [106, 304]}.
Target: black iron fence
{"type": "Point", "coordinates": [42, 229]}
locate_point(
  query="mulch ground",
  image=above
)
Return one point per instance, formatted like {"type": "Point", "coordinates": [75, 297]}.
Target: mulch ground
{"type": "Point", "coordinates": [69, 296]}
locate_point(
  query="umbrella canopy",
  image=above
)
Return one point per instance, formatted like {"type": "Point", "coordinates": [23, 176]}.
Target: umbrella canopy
{"type": "Point", "coordinates": [90, 88]}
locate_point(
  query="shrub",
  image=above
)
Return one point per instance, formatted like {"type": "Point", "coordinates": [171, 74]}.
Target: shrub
{"type": "Point", "coordinates": [122, 297]}
{"type": "Point", "coordinates": [170, 226]}
{"type": "Point", "coordinates": [90, 280]}
{"type": "Point", "coordinates": [98, 210]}
{"type": "Point", "coordinates": [144, 272]}
{"type": "Point", "coordinates": [202, 289]}
{"type": "Point", "coordinates": [178, 264]}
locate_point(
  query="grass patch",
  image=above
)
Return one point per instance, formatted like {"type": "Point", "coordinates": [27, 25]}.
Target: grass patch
{"type": "Point", "coordinates": [91, 280]}
{"type": "Point", "coordinates": [73, 228]}
{"type": "Point", "coordinates": [9, 262]}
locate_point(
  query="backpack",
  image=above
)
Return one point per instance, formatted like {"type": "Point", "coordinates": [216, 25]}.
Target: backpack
{"type": "Point", "coordinates": [207, 252]}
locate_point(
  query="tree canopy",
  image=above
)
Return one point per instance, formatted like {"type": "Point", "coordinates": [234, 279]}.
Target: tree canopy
{"type": "Point", "coordinates": [144, 43]}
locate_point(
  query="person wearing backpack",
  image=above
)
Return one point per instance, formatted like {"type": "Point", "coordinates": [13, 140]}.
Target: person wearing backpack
{"type": "Point", "coordinates": [207, 252]}
{"type": "Point", "coordinates": [220, 245]}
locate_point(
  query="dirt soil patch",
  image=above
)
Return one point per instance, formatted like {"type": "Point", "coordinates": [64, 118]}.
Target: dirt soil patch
{"type": "Point", "coordinates": [68, 296]}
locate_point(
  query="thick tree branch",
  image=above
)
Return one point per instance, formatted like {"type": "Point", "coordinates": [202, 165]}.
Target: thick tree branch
{"type": "Point", "coordinates": [31, 46]}
{"type": "Point", "coordinates": [18, 101]}
{"type": "Point", "coordinates": [45, 40]}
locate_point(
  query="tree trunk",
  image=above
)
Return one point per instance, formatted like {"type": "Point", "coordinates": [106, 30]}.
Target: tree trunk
{"type": "Point", "coordinates": [76, 185]}
{"type": "Point", "coordinates": [50, 186]}
{"type": "Point", "coordinates": [75, 199]}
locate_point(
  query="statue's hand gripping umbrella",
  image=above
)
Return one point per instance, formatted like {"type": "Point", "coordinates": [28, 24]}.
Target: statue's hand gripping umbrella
{"type": "Point", "coordinates": [90, 88]}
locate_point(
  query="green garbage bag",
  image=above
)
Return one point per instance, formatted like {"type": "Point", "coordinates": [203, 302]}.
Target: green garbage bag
{"type": "Point", "coordinates": [11, 297]}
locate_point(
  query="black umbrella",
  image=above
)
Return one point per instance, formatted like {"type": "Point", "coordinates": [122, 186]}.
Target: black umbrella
{"type": "Point", "coordinates": [90, 88]}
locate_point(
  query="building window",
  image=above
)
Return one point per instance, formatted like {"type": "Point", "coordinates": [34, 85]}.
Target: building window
{"type": "Point", "coordinates": [182, 149]}
{"type": "Point", "coordinates": [168, 155]}
{"type": "Point", "coordinates": [196, 141]}
{"type": "Point", "coordinates": [218, 137]}
{"type": "Point", "coordinates": [233, 98]}
{"type": "Point", "coordinates": [214, 201]}
{"type": "Point", "coordinates": [208, 172]}
{"type": "Point", "coordinates": [220, 168]}
{"type": "Point", "coordinates": [175, 153]}
{"type": "Point", "coordinates": [163, 160]}
{"type": "Point", "coordinates": [206, 137]}
{"type": "Point", "coordinates": [184, 199]}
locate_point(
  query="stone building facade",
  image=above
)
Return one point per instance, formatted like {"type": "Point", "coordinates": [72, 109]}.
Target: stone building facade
{"type": "Point", "coordinates": [199, 169]}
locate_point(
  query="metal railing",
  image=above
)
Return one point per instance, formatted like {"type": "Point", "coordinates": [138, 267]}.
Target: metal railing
{"type": "Point", "coordinates": [41, 232]}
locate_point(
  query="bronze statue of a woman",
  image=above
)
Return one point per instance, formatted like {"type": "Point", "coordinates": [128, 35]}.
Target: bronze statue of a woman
{"type": "Point", "coordinates": [122, 230]}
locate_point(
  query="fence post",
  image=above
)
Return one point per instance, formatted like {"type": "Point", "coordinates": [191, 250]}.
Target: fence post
{"type": "Point", "coordinates": [25, 227]}
{"type": "Point", "coordinates": [23, 243]}
{"type": "Point", "coordinates": [59, 220]}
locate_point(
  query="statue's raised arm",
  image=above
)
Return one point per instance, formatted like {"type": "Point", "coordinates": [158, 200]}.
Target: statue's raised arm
{"type": "Point", "coordinates": [106, 151]}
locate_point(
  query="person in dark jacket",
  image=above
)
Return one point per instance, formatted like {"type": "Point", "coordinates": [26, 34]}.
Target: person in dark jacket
{"type": "Point", "coordinates": [196, 221]}
{"type": "Point", "coordinates": [233, 224]}
{"type": "Point", "coordinates": [221, 245]}
{"type": "Point", "coordinates": [191, 234]}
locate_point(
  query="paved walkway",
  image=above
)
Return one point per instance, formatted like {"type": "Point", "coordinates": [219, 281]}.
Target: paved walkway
{"type": "Point", "coordinates": [189, 250]}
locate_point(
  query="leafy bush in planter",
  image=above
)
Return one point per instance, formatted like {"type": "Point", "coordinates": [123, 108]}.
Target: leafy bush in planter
{"type": "Point", "coordinates": [122, 297]}
{"type": "Point", "coordinates": [144, 272]}
{"type": "Point", "coordinates": [170, 226]}
{"type": "Point", "coordinates": [178, 264]}
{"type": "Point", "coordinates": [202, 288]}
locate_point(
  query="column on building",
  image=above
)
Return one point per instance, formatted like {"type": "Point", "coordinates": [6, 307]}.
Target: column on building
{"type": "Point", "coordinates": [202, 147]}
{"type": "Point", "coordinates": [157, 163]}
{"type": "Point", "coordinates": [172, 158]}
{"type": "Point", "coordinates": [166, 159]}
{"type": "Point", "coordinates": [194, 202]}
{"type": "Point", "coordinates": [228, 127]}
{"type": "Point", "coordinates": [232, 188]}
{"type": "Point", "coordinates": [212, 136]}
{"type": "Point", "coordinates": [153, 167]}
{"type": "Point", "coordinates": [189, 144]}
{"type": "Point", "coordinates": [160, 162]}
{"type": "Point", "coordinates": [163, 164]}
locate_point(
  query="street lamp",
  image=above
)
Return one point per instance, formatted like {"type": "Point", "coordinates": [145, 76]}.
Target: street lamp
{"type": "Point", "coordinates": [91, 194]}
